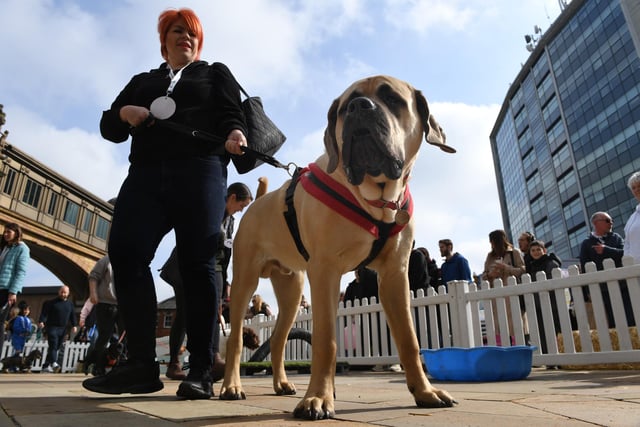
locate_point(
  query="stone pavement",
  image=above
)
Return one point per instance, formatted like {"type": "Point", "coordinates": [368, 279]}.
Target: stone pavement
{"type": "Point", "coordinates": [545, 398]}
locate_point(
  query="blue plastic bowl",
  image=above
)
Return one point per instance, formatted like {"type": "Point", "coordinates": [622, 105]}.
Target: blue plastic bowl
{"type": "Point", "coordinates": [487, 363]}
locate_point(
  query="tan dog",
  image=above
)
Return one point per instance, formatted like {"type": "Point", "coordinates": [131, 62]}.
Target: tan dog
{"type": "Point", "coordinates": [375, 129]}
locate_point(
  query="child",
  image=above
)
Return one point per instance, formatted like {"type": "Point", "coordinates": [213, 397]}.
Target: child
{"type": "Point", "coordinates": [541, 261]}
{"type": "Point", "coordinates": [20, 328]}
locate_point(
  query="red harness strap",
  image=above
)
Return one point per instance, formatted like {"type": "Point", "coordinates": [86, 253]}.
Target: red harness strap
{"type": "Point", "coordinates": [334, 195]}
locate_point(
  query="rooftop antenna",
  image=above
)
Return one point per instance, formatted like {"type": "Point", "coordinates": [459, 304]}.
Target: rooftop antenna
{"type": "Point", "coordinates": [532, 39]}
{"type": "Point", "coordinates": [546, 12]}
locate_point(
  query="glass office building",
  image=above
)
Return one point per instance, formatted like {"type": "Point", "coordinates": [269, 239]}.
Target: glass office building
{"type": "Point", "coordinates": [568, 135]}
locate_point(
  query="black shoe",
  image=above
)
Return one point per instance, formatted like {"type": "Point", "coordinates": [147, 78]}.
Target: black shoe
{"type": "Point", "coordinates": [196, 386]}
{"type": "Point", "coordinates": [134, 378]}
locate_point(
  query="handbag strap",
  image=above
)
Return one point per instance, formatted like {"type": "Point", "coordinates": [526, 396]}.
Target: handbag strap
{"type": "Point", "coordinates": [241, 88]}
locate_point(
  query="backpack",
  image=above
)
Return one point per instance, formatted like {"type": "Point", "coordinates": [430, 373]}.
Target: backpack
{"type": "Point", "coordinates": [21, 326]}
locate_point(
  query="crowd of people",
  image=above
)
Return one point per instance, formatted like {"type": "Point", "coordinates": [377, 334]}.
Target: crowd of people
{"type": "Point", "coordinates": [531, 257]}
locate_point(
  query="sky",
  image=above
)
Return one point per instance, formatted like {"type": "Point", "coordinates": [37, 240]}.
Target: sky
{"type": "Point", "coordinates": [64, 62]}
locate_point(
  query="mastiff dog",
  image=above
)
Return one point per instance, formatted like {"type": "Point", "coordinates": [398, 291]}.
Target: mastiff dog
{"type": "Point", "coordinates": [351, 207]}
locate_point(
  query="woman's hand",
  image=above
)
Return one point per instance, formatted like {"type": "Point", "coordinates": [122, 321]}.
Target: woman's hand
{"type": "Point", "coordinates": [134, 115]}
{"type": "Point", "coordinates": [235, 140]}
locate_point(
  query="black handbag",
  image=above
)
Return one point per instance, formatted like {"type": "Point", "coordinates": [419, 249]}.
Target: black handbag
{"type": "Point", "coordinates": [263, 137]}
{"type": "Point", "coordinates": [263, 140]}
{"type": "Point", "coordinates": [170, 271]}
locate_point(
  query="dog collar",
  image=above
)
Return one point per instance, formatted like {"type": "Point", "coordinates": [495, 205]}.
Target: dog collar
{"type": "Point", "coordinates": [324, 188]}
{"type": "Point", "coordinates": [394, 206]}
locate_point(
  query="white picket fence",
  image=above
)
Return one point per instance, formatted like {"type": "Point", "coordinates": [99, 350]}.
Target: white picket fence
{"type": "Point", "coordinates": [463, 317]}
{"type": "Point", "coordinates": [71, 353]}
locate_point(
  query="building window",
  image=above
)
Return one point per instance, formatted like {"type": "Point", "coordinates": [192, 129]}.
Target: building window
{"type": "Point", "coordinates": [53, 202]}
{"type": "Point", "coordinates": [32, 193]}
{"type": "Point", "coordinates": [575, 239]}
{"type": "Point", "coordinates": [534, 185]}
{"type": "Point", "coordinates": [551, 112]}
{"type": "Point", "coordinates": [568, 185]}
{"type": "Point", "coordinates": [529, 163]}
{"type": "Point", "coordinates": [538, 209]}
{"type": "Point", "coordinates": [168, 320]}
{"type": "Point", "coordinates": [102, 228]}
{"type": "Point", "coordinates": [521, 121]}
{"type": "Point", "coordinates": [545, 89]}
{"type": "Point", "coordinates": [86, 222]}
{"type": "Point", "coordinates": [573, 214]}
{"type": "Point", "coordinates": [71, 213]}
{"type": "Point", "coordinates": [8, 183]}
{"type": "Point", "coordinates": [556, 135]}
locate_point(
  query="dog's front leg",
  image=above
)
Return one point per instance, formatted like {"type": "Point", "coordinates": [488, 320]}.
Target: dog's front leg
{"type": "Point", "coordinates": [394, 297]}
{"type": "Point", "coordinates": [288, 289]}
{"type": "Point", "coordinates": [245, 282]}
{"type": "Point", "coordinates": [318, 402]}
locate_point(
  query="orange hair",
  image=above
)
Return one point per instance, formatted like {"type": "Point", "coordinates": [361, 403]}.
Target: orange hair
{"type": "Point", "coordinates": [169, 17]}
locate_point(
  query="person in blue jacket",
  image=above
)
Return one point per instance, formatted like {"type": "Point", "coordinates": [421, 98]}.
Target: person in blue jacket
{"type": "Point", "coordinates": [455, 266]}
{"type": "Point", "coordinates": [14, 258]}
{"type": "Point", "coordinates": [21, 327]}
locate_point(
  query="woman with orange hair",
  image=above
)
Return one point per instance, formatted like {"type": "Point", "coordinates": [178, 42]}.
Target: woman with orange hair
{"type": "Point", "coordinates": [175, 182]}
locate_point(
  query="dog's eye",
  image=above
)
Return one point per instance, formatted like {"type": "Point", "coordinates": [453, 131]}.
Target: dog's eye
{"type": "Point", "coordinates": [394, 102]}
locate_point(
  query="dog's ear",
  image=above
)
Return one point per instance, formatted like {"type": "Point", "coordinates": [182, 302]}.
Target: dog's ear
{"type": "Point", "coordinates": [433, 132]}
{"type": "Point", "coordinates": [330, 142]}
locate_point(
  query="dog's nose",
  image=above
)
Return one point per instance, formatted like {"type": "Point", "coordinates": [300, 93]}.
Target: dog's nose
{"type": "Point", "coordinates": [359, 104]}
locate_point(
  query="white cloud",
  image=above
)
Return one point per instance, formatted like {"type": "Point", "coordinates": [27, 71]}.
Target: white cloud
{"type": "Point", "coordinates": [422, 15]}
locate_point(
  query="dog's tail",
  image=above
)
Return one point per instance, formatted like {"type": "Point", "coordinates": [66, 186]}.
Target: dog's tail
{"type": "Point", "coordinates": [263, 183]}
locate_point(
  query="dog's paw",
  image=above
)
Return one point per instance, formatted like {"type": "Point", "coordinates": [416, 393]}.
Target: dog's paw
{"type": "Point", "coordinates": [435, 399]}
{"type": "Point", "coordinates": [232, 393]}
{"type": "Point", "coordinates": [314, 408]}
{"type": "Point", "coordinates": [285, 389]}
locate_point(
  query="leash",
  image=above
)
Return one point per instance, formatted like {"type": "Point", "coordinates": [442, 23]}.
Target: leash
{"type": "Point", "coordinates": [289, 167]}
{"type": "Point", "coordinates": [209, 137]}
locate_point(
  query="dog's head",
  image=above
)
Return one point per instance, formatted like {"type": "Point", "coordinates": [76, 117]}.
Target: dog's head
{"type": "Point", "coordinates": [35, 355]}
{"type": "Point", "coordinates": [249, 338]}
{"type": "Point", "coordinates": [374, 131]}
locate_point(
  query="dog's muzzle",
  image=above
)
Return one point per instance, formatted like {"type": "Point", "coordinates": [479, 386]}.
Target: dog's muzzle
{"type": "Point", "coordinates": [367, 144]}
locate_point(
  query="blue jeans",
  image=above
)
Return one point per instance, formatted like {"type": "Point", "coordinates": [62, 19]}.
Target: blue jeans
{"type": "Point", "coordinates": [188, 196]}
{"type": "Point", "coordinates": [55, 338]}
